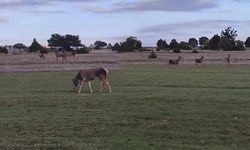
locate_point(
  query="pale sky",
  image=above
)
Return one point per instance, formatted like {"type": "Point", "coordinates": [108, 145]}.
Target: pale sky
{"type": "Point", "coordinates": [114, 20]}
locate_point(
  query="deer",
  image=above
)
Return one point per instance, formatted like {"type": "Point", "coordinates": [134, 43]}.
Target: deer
{"type": "Point", "coordinates": [42, 56]}
{"type": "Point", "coordinates": [175, 62]}
{"type": "Point", "coordinates": [61, 54]}
{"type": "Point", "coordinates": [199, 61]}
{"type": "Point", "coordinates": [87, 75]}
{"type": "Point", "coordinates": [73, 54]}
{"type": "Point", "coordinates": [228, 59]}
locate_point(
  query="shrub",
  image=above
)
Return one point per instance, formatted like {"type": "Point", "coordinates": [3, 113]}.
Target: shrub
{"type": "Point", "coordinates": [184, 46]}
{"type": "Point", "coordinates": [152, 55]}
{"type": "Point", "coordinates": [195, 51]}
{"type": "Point", "coordinates": [82, 50]}
{"type": "Point", "coordinates": [176, 51]}
{"type": "Point", "coordinates": [3, 50]}
{"type": "Point", "coordinates": [239, 45]}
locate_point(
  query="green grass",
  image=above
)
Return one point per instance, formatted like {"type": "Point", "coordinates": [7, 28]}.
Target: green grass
{"type": "Point", "coordinates": [151, 107]}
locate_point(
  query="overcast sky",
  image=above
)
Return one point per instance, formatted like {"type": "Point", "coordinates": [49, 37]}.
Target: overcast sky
{"type": "Point", "coordinates": [114, 20]}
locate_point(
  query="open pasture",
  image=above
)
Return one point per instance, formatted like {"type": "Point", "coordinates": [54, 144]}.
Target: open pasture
{"type": "Point", "coordinates": [151, 107]}
{"type": "Point", "coordinates": [112, 60]}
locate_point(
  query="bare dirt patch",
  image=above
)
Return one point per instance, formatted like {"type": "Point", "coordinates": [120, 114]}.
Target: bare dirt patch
{"type": "Point", "coordinates": [110, 60]}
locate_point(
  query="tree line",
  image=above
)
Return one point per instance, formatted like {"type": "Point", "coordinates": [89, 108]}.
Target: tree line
{"type": "Point", "coordinates": [225, 41]}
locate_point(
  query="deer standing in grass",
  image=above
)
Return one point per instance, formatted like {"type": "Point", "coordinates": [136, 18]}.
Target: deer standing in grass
{"type": "Point", "coordinates": [87, 75]}
{"type": "Point", "coordinates": [61, 54]}
{"type": "Point", "coordinates": [175, 62]}
{"type": "Point", "coordinates": [228, 59]}
{"type": "Point", "coordinates": [42, 56]}
{"type": "Point", "coordinates": [72, 53]}
{"type": "Point", "coordinates": [199, 61]}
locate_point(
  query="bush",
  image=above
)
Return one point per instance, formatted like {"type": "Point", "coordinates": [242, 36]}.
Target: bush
{"type": "Point", "coordinates": [195, 51]}
{"type": "Point", "coordinates": [3, 50]}
{"type": "Point", "coordinates": [82, 51]}
{"type": "Point", "coordinates": [152, 55]}
{"type": "Point", "coordinates": [184, 46]}
{"type": "Point", "coordinates": [176, 51]}
{"type": "Point", "coordinates": [239, 46]}
{"type": "Point", "coordinates": [143, 50]}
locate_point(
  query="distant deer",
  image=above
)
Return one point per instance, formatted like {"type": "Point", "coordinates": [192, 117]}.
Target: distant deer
{"type": "Point", "coordinates": [228, 59]}
{"type": "Point", "coordinates": [199, 61]}
{"type": "Point", "coordinates": [73, 54]}
{"type": "Point", "coordinates": [61, 54]}
{"type": "Point", "coordinates": [42, 55]}
{"type": "Point", "coordinates": [87, 75]}
{"type": "Point", "coordinates": [175, 62]}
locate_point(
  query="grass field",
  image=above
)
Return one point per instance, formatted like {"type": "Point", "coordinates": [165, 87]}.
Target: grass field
{"type": "Point", "coordinates": [151, 107]}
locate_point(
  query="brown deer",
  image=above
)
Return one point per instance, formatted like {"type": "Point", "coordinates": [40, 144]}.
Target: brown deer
{"type": "Point", "coordinates": [87, 75]}
{"type": "Point", "coordinates": [42, 56]}
{"type": "Point", "coordinates": [61, 54]}
{"type": "Point", "coordinates": [175, 62]}
{"type": "Point", "coordinates": [228, 59]}
{"type": "Point", "coordinates": [73, 54]}
{"type": "Point", "coordinates": [199, 61]}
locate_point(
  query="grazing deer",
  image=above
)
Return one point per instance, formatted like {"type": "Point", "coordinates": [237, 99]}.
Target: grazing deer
{"type": "Point", "coordinates": [88, 75]}
{"type": "Point", "coordinates": [61, 54]}
{"type": "Point", "coordinates": [175, 62]}
{"type": "Point", "coordinates": [42, 56]}
{"type": "Point", "coordinates": [228, 59]}
{"type": "Point", "coordinates": [199, 61]}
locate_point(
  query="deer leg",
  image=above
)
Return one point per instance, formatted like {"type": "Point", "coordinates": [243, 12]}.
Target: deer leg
{"type": "Point", "coordinates": [80, 87]}
{"type": "Point", "coordinates": [110, 91]}
{"type": "Point", "coordinates": [101, 87]}
{"type": "Point", "coordinates": [103, 83]}
{"type": "Point", "coordinates": [90, 87]}
{"type": "Point", "coordinates": [63, 59]}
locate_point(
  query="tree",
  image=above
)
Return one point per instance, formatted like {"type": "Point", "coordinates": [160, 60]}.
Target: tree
{"type": "Point", "coordinates": [129, 45]}
{"type": "Point", "coordinates": [203, 41]}
{"type": "Point", "coordinates": [229, 33]}
{"type": "Point", "coordinates": [174, 44]}
{"type": "Point", "coordinates": [99, 44]}
{"type": "Point", "coordinates": [19, 46]}
{"type": "Point", "coordinates": [214, 42]}
{"type": "Point", "coordinates": [66, 42]}
{"type": "Point", "coordinates": [226, 44]}
{"type": "Point", "coordinates": [247, 42]}
{"type": "Point", "coordinates": [56, 40]}
{"type": "Point", "coordinates": [162, 44]}
{"type": "Point", "coordinates": [35, 46]}
{"type": "Point", "coordinates": [228, 39]}
{"type": "Point", "coordinates": [239, 45]}
{"type": "Point", "coordinates": [184, 45]}
{"type": "Point", "coordinates": [116, 47]}
{"type": "Point", "coordinates": [138, 45]}
{"type": "Point", "coordinates": [3, 50]}
{"type": "Point", "coordinates": [109, 46]}
{"type": "Point", "coordinates": [193, 42]}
